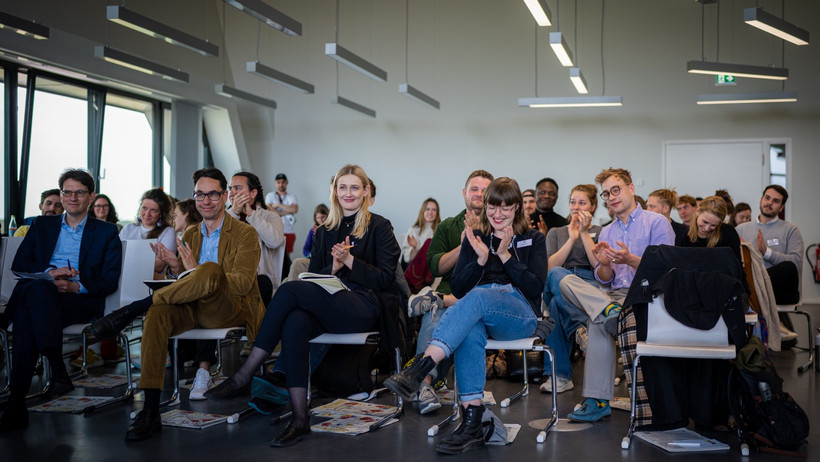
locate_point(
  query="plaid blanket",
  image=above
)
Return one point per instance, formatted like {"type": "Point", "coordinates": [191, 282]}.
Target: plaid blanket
{"type": "Point", "coordinates": [627, 341]}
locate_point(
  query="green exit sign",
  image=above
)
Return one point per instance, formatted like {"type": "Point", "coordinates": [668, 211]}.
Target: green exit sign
{"type": "Point", "coordinates": [724, 79]}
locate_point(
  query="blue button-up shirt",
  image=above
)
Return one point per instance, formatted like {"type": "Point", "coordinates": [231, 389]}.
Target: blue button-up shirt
{"type": "Point", "coordinates": [642, 229]}
{"type": "Point", "coordinates": [210, 243]}
{"type": "Point", "coordinates": [67, 251]}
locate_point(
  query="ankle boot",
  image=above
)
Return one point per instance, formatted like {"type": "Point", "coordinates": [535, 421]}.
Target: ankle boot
{"type": "Point", "coordinates": [407, 382]}
{"type": "Point", "coordinates": [468, 435]}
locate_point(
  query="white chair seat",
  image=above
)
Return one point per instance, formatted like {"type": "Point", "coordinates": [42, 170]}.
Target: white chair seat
{"type": "Point", "coordinates": [516, 344]}
{"type": "Point", "coordinates": [211, 334]}
{"type": "Point", "coordinates": [677, 351]}
{"type": "Point", "coordinates": [75, 329]}
{"type": "Point", "coordinates": [358, 338]}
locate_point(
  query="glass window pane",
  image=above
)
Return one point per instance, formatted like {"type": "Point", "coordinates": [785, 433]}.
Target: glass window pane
{"type": "Point", "coordinates": [126, 158]}
{"type": "Point", "coordinates": [59, 137]}
{"type": "Point", "coordinates": [777, 159]}
{"type": "Point", "coordinates": [3, 161]}
{"type": "Point", "coordinates": [166, 152]}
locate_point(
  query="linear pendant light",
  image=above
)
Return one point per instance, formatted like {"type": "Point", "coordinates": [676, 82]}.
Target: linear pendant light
{"type": "Point", "coordinates": [578, 80]}
{"type": "Point", "coordinates": [139, 64]}
{"type": "Point", "coordinates": [748, 98]}
{"type": "Point", "coordinates": [348, 58]}
{"type": "Point", "coordinates": [147, 26]}
{"type": "Point", "coordinates": [778, 27]}
{"type": "Point", "coordinates": [540, 11]}
{"type": "Point", "coordinates": [355, 106]}
{"type": "Point", "coordinates": [572, 101]}
{"type": "Point", "coordinates": [23, 26]}
{"type": "Point", "coordinates": [257, 68]}
{"type": "Point", "coordinates": [418, 95]}
{"type": "Point", "coordinates": [231, 92]}
{"type": "Point", "coordinates": [737, 70]}
{"type": "Point", "coordinates": [559, 46]}
{"type": "Point", "coordinates": [269, 15]}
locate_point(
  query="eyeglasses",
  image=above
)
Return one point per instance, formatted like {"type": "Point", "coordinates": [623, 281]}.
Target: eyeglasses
{"type": "Point", "coordinates": [613, 191]}
{"type": "Point", "coordinates": [213, 195]}
{"type": "Point", "coordinates": [79, 194]}
{"type": "Point", "coordinates": [102, 206]}
{"type": "Point", "coordinates": [491, 209]}
{"type": "Point", "coordinates": [547, 193]}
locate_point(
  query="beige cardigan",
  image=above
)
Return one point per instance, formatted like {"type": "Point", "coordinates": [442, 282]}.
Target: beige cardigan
{"type": "Point", "coordinates": [765, 295]}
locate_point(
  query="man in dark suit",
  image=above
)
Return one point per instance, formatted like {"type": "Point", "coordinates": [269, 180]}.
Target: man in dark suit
{"type": "Point", "coordinates": [80, 260]}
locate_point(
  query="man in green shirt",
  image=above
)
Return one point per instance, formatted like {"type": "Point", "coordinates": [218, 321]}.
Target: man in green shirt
{"type": "Point", "coordinates": [441, 257]}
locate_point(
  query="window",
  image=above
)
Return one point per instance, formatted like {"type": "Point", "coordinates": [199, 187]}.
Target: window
{"type": "Point", "coordinates": [777, 164]}
{"type": "Point", "coordinates": [125, 166]}
{"type": "Point", "coordinates": [59, 136]}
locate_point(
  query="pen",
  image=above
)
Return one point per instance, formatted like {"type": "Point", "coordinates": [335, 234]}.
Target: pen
{"type": "Point", "coordinates": [69, 263]}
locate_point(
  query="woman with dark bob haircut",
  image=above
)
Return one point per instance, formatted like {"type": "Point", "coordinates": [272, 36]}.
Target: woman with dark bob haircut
{"type": "Point", "coordinates": [498, 280]}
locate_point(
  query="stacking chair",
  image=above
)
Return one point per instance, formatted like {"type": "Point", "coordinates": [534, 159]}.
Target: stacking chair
{"type": "Point", "coordinates": [8, 249]}
{"type": "Point", "coordinates": [523, 345]}
{"type": "Point", "coordinates": [795, 309]}
{"type": "Point", "coordinates": [666, 337]}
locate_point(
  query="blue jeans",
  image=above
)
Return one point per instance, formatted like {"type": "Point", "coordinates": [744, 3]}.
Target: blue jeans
{"type": "Point", "coordinates": [568, 318]}
{"type": "Point", "coordinates": [490, 310]}
{"type": "Point", "coordinates": [428, 324]}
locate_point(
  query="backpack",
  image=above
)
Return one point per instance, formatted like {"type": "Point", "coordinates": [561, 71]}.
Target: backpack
{"type": "Point", "coordinates": [767, 417]}
{"type": "Point", "coordinates": [418, 272]}
{"type": "Point", "coordinates": [345, 370]}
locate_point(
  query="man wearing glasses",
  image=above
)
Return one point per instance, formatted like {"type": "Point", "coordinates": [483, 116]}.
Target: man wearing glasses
{"type": "Point", "coordinates": [618, 253]}
{"type": "Point", "coordinates": [221, 290]}
{"type": "Point", "coordinates": [72, 264]}
{"type": "Point", "coordinates": [546, 195]}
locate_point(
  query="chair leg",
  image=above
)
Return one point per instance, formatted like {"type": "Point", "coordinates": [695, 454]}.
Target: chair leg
{"type": "Point", "coordinates": [399, 402]}
{"type": "Point", "coordinates": [525, 390]}
{"type": "Point", "coordinates": [810, 361]}
{"type": "Point", "coordinates": [632, 409]}
{"type": "Point", "coordinates": [4, 339]}
{"type": "Point", "coordinates": [433, 431]}
{"type": "Point", "coordinates": [542, 435]}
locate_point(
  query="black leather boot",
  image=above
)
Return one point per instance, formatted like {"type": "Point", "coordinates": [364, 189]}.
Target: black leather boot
{"type": "Point", "coordinates": [468, 435]}
{"type": "Point", "coordinates": [407, 382]}
{"type": "Point", "coordinates": [147, 423]}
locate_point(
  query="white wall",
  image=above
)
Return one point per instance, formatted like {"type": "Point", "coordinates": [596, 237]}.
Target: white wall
{"type": "Point", "coordinates": [476, 57]}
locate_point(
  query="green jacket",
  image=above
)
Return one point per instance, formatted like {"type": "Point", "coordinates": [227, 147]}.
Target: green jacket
{"type": "Point", "coordinates": [446, 238]}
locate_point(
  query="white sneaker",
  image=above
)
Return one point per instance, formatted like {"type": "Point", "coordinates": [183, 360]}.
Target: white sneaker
{"type": "Point", "coordinates": [581, 338]}
{"type": "Point", "coordinates": [428, 399]}
{"type": "Point", "coordinates": [202, 382]}
{"type": "Point", "coordinates": [786, 334]}
{"type": "Point", "coordinates": [564, 384]}
{"type": "Point", "coordinates": [427, 299]}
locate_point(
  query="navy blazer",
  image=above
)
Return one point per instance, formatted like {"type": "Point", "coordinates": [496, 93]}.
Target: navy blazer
{"type": "Point", "coordinates": [100, 254]}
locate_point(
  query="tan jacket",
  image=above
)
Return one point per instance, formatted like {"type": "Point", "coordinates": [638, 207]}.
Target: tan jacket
{"type": "Point", "coordinates": [238, 255]}
{"type": "Point", "coordinates": [765, 295]}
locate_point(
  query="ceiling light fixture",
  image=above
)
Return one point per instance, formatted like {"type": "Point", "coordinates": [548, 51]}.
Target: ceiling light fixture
{"type": "Point", "coordinates": [269, 15]}
{"type": "Point", "coordinates": [348, 58]}
{"type": "Point", "coordinates": [748, 98]}
{"type": "Point", "coordinates": [778, 27]}
{"type": "Point", "coordinates": [231, 92]}
{"type": "Point", "coordinates": [259, 69]}
{"type": "Point", "coordinates": [148, 26]}
{"type": "Point", "coordinates": [406, 89]}
{"type": "Point", "coordinates": [559, 46]}
{"type": "Point", "coordinates": [540, 11]}
{"type": "Point", "coordinates": [356, 107]}
{"type": "Point", "coordinates": [139, 64]}
{"type": "Point", "coordinates": [578, 80]}
{"type": "Point", "coordinates": [737, 70]}
{"type": "Point", "coordinates": [572, 101]}
{"type": "Point", "coordinates": [23, 26]}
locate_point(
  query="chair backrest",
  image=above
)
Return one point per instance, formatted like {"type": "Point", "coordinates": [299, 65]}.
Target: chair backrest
{"type": "Point", "coordinates": [663, 329]}
{"type": "Point", "coordinates": [7, 253]}
{"type": "Point", "coordinates": [137, 266]}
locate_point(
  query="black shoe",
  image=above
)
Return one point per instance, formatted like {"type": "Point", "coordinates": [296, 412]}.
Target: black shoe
{"type": "Point", "coordinates": [228, 389]}
{"type": "Point", "coordinates": [407, 382]}
{"type": "Point", "coordinates": [291, 435]}
{"type": "Point", "coordinates": [468, 435]}
{"type": "Point", "coordinates": [60, 386]}
{"type": "Point", "coordinates": [111, 325]}
{"type": "Point", "coordinates": [15, 418]}
{"type": "Point", "coordinates": [144, 426]}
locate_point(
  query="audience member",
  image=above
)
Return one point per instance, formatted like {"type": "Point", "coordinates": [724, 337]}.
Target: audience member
{"type": "Point", "coordinates": [544, 217]}
{"type": "Point", "coordinates": [708, 228]}
{"type": "Point", "coordinates": [570, 250]}
{"type": "Point", "coordinates": [422, 230]}
{"type": "Point", "coordinates": [442, 256]}
{"type": "Point", "coordinates": [319, 217]}
{"type": "Point", "coordinates": [49, 205]}
{"type": "Point", "coordinates": [780, 243]}
{"type": "Point", "coordinates": [727, 198]}
{"type": "Point", "coordinates": [285, 205]}
{"type": "Point", "coordinates": [640, 201]}
{"type": "Point", "coordinates": [360, 249]}
{"type": "Point", "coordinates": [743, 214]}
{"type": "Point", "coordinates": [103, 209]}
{"type": "Point", "coordinates": [153, 222]}
{"type": "Point", "coordinates": [529, 204]}
{"type": "Point", "coordinates": [499, 276]}
{"type": "Point", "coordinates": [687, 205]}
{"type": "Point", "coordinates": [185, 216]}
{"type": "Point", "coordinates": [41, 308]}
{"type": "Point", "coordinates": [618, 254]}
{"type": "Point", "coordinates": [663, 201]}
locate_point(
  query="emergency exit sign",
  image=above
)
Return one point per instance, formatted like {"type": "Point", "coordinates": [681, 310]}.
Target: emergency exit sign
{"type": "Point", "coordinates": [724, 79]}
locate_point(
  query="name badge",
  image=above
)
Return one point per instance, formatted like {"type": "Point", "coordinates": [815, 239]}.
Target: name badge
{"type": "Point", "coordinates": [772, 242]}
{"type": "Point", "coordinates": [592, 235]}
{"type": "Point", "coordinates": [524, 243]}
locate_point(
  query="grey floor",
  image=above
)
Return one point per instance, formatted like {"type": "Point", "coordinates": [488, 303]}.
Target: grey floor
{"type": "Point", "coordinates": [99, 436]}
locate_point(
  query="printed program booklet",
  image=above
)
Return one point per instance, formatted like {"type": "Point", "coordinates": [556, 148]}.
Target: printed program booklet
{"type": "Point", "coordinates": [191, 419]}
{"type": "Point", "coordinates": [74, 404]}
{"type": "Point", "coordinates": [348, 417]}
{"type": "Point", "coordinates": [329, 282]}
{"type": "Point", "coordinates": [682, 440]}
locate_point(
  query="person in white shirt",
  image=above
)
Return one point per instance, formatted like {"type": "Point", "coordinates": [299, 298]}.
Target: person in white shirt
{"type": "Point", "coordinates": [154, 221]}
{"type": "Point", "coordinates": [423, 229]}
{"type": "Point", "coordinates": [285, 205]}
